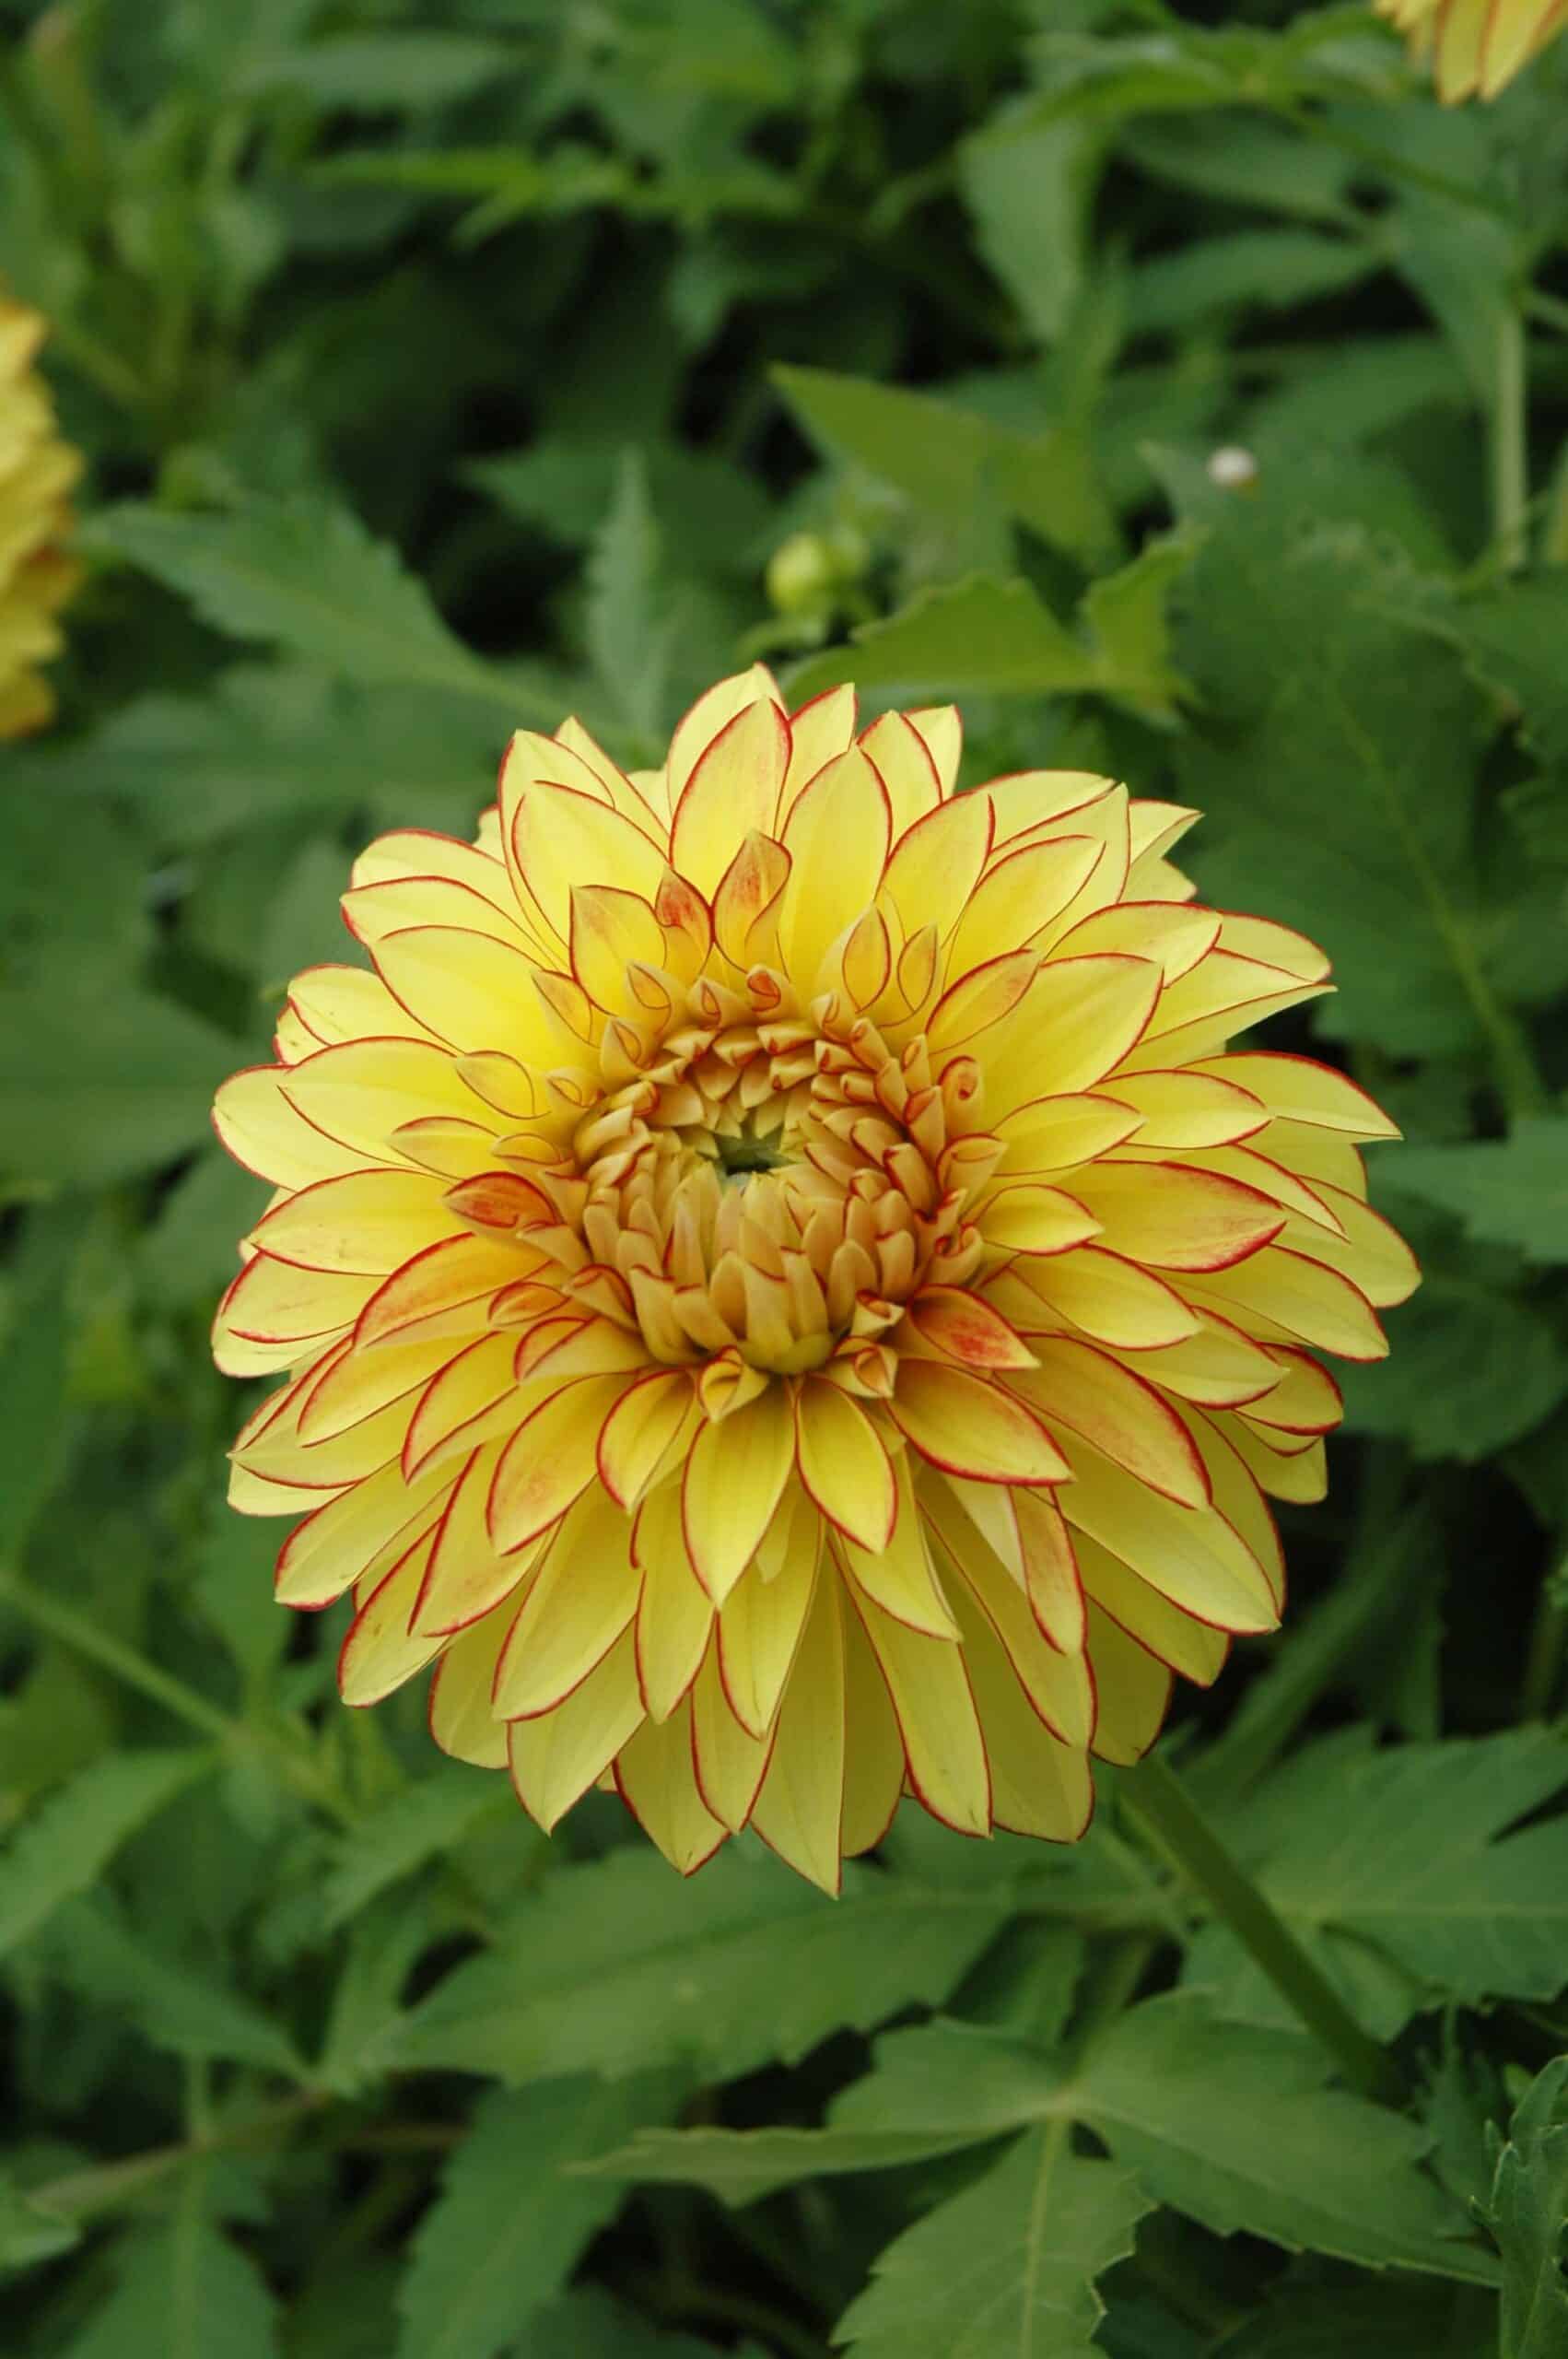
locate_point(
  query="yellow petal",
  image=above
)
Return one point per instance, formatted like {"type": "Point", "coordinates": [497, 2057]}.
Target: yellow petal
{"type": "Point", "coordinates": [734, 1479]}
{"type": "Point", "coordinates": [1028, 1217]}
{"type": "Point", "coordinates": [1078, 1020]}
{"type": "Point", "coordinates": [980, 1000]}
{"type": "Point", "coordinates": [368, 1221]}
{"type": "Point", "coordinates": [1075, 1385]}
{"type": "Point", "coordinates": [474, 1382]}
{"type": "Point", "coordinates": [1134, 1692]}
{"type": "Point", "coordinates": [267, 1136]}
{"type": "Point", "coordinates": [461, 1719]}
{"type": "Point", "coordinates": [935, 866]}
{"type": "Point", "coordinates": [800, 1807]}
{"type": "Point", "coordinates": [698, 729]}
{"type": "Point", "coordinates": [943, 1750]}
{"type": "Point", "coordinates": [674, 1616]}
{"type": "Point", "coordinates": [1055, 1135]}
{"type": "Point", "coordinates": [359, 1091]}
{"type": "Point", "coordinates": [760, 1626]}
{"type": "Point", "coordinates": [274, 1304]}
{"type": "Point", "coordinates": [466, 1580]}
{"type": "Point", "coordinates": [377, 1653]}
{"type": "Point", "coordinates": [1177, 1216]}
{"type": "Point", "coordinates": [609, 929]}
{"type": "Point", "coordinates": [837, 837]}
{"type": "Point", "coordinates": [899, 1576]}
{"type": "Point", "coordinates": [1192, 1556]}
{"type": "Point", "coordinates": [656, 1777]}
{"type": "Point", "coordinates": [962, 1326]}
{"type": "Point", "coordinates": [733, 792]}
{"type": "Point", "coordinates": [906, 767]}
{"type": "Point", "coordinates": [561, 838]}
{"type": "Point", "coordinates": [873, 1750]}
{"type": "Point", "coordinates": [844, 1465]}
{"type": "Point", "coordinates": [1285, 1298]}
{"type": "Point", "coordinates": [331, 1549]}
{"type": "Point", "coordinates": [579, 1602]}
{"type": "Point", "coordinates": [554, 1760]}
{"type": "Point", "coordinates": [941, 733]}
{"type": "Point", "coordinates": [1303, 1091]}
{"type": "Point", "coordinates": [1039, 1786]}
{"type": "Point", "coordinates": [967, 1427]}
{"type": "Point", "coordinates": [1174, 935]}
{"type": "Point", "coordinates": [1110, 1299]}
{"type": "Point", "coordinates": [1195, 1649]}
{"type": "Point", "coordinates": [639, 1430]}
{"type": "Point", "coordinates": [350, 1003]}
{"type": "Point", "coordinates": [1224, 993]}
{"type": "Point", "coordinates": [1020, 897]}
{"type": "Point", "coordinates": [819, 730]}
{"type": "Point", "coordinates": [1189, 1110]}
{"type": "Point", "coordinates": [731, 1763]}
{"type": "Point", "coordinates": [473, 992]}
{"type": "Point", "coordinates": [550, 1461]}
{"type": "Point", "coordinates": [1057, 1684]}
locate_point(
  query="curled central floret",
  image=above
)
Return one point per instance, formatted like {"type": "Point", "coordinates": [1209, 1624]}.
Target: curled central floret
{"type": "Point", "coordinates": [786, 1297]}
{"type": "Point", "coordinates": [774, 1188]}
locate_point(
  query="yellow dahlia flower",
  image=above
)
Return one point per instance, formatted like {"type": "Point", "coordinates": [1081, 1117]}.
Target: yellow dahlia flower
{"type": "Point", "coordinates": [787, 1299]}
{"type": "Point", "coordinates": [37, 471]}
{"type": "Point", "coordinates": [1476, 45]}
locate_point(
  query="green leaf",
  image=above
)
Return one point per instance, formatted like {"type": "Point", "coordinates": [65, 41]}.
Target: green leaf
{"type": "Point", "coordinates": [186, 2292]}
{"type": "Point", "coordinates": [95, 1088]}
{"type": "Point", "coordinates": [1374, 2319]}
{"type": "Point", "coordinates": [33, 1424]}
{"type": "Point", "coordinates": [588, 2325]}
{"type": "Point", "coordinates": [508, 2226]}
{"type": "Point", "coordinates": [628, 622]}
{"type": "Point", "coordinates": [405, 1831]}
{"type": "Point", "coordinates": [1270, 269]}
{"type": "Point", "coordinates": [1126, 614]}
{"type": "Point", "coordinates": [1405, 1851]}
{"type": "Point", "coordinates": [1338, 764]}
{"type": "Point", "coordinates": [1438, 1390]}
{"type": "Point", "coordinates": [1233, 2127]}
{"type": "Point", "coordinates": [1527, 2213]}
{"type": "Point", "coordinates": [1007, 2266]}
{"type": "Point", "coordinates": [1030, 193]}
{"type": "Point", "coordinates": [1507, 1191]}
{"type": "Point", "coordinates": [29, 2231]}
{"type": "Point", "coordinates": [304, 575]}
{"type": "Point", "coordinates": [948, 463]}
{"type": "Point", "coordinates": [979, 636]}
{"type": "Point", "coordinates": [385, 73]}
{"type": "Point", "coordinates": [598, 1973]}
{"type": "Point", "coordinates": [188, 2012]}
{"type": "Point", "coordinates": [66, 1844]}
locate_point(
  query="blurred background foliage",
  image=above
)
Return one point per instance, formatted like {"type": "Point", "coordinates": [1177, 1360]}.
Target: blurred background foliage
{"type": "Point", "coordinates": [443, 368]}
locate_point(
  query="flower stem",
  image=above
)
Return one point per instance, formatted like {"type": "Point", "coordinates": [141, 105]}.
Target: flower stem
{"type": "Point", "coordinates": [1155, 1798]}
{"type": "Point", "coordinates": [1510, 462]}
{"type": "Point", "coordinates": [1543, 1664]}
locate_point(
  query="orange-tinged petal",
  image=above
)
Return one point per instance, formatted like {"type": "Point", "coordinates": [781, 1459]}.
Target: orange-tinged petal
{"type": "Point", "coordinates": [1027, 1217]}
{"type": "Point", "coordinates": [732, 791]}
{"type": "Point", "coordinates": [1074, 1384]}
{"type": "Point", "coordinates": [747, 903]}
{"type": "Point", "coordinates": [1051, 1570]}
{"type": "Point", "coordinates": [967, 1427]}
{"type": "Point", "coordinates": [844, 1464]}
{"type": "Point", "coordinates": [550, 1461]}
{"type": "Point", "coordinates": [1177, 1216]}
{"type": "Point", "coordinates": [962, 1326]}
{"type": "Point", "coordinates": [734, 1479]}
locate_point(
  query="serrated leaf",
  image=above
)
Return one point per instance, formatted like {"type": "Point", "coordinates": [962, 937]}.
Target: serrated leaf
{"type": "Point", "coordinates": [508, 2224]}
{"type": "Point", "coordinates": [599, 1974]}
{"type": "Point", "coordinates": [373, 73]}
{"type": "Point", "coordinates": [305, 575]}
{"type": "Point", "coordinates": [95, 1086]}
{"type": "Point", "coordinates": [1233, 2127]}
{"type": "Point", "coordinates": [179, 2009]}
{"type": "Point", "coordinates": [1507, 1191]}
{"type": "Point", "coordinates": [1007, 2266]}
{"type": "Point", "coordinates": [68, 1842]}
{"type": "Point", "coordinates": [1405, 1852]}
{"type": "Point", "coordinates": [980, 636]}
{"type": "Point", "coordinates": [1528, 2215]}
{"type": "Point", "coordinates": [1126, 617]}
{"type": "Point", "coordinates": [950, 462]}
{"type": "Point", "coordinates": [403, 1833]}
{"type": "Point", "coordinates": [186, 2292]}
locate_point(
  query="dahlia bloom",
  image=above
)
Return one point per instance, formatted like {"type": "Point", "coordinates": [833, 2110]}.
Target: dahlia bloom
{"type": "Point", "coordinates": [786, 1298]}
{"type": "Point", "coordinates": [1476, 45]}
{"type": "Point", "coordinates": [37, 471]}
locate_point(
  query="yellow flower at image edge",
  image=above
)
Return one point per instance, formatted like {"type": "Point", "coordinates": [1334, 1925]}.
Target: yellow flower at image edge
{"type": "Point", "coordinates": [1476, 45]}
{"type": "Point", "coordinates": [37, 472]}
{"type": "Point", "coordinates": [787, 1301]}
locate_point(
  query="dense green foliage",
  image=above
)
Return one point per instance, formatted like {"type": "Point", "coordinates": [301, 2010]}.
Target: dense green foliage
{"type": "Point", "coordinates": [445, 365]}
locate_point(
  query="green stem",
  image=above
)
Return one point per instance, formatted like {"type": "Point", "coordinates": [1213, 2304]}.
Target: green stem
{"type": "Point", "coordinates": [1510, 459]}
{"type": "Point", "coordinates": [1155, 1798]}
{"type": "Point", "coordinates": [107, 2186]}
{"type": "Point", "coordinates": [100, 1646]}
